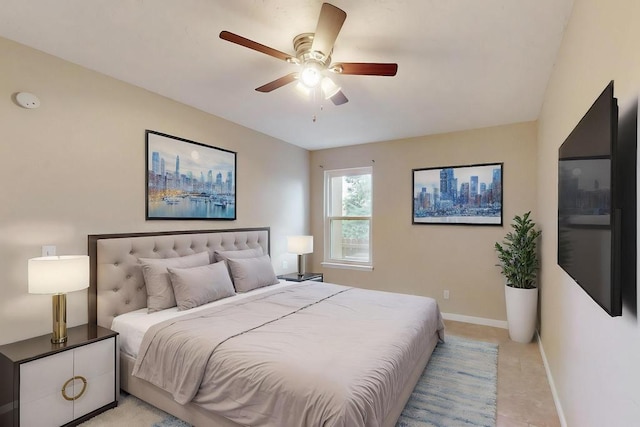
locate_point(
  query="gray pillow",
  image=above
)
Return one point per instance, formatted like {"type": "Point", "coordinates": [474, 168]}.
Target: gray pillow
{"type": "Point", "coordinates": [241, 254]}
{"type": "Point", "coordinates": [252, 273]}
{"type": "Point", "coordinates": [156, 278]}
{"type": "Point", "coordinates": [199, 285]}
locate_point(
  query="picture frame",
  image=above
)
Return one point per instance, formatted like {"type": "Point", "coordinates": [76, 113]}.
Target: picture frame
{"type": "Point", "coordinates": [187, 180]}
{"type": "Point", "coordinates": [455, 195]}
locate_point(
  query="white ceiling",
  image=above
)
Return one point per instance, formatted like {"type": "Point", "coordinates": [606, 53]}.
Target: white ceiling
{"type": "Point", "coordinates": [462, 64]}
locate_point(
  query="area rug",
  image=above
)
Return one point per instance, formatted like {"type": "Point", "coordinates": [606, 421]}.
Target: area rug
{"type": "Point", "coordinates": [457, 389]}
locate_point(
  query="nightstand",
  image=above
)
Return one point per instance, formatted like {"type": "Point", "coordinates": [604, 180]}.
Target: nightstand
{"type": "Point", "coordinates": [294, 277]}
{"type": "Point", "coordinates": [45, 384]}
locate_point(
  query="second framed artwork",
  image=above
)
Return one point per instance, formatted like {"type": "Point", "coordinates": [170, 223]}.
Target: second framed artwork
{"type": "Point", "coordinates": [188, 180]}
{"type": "Point", "coordinates": [470, 194]}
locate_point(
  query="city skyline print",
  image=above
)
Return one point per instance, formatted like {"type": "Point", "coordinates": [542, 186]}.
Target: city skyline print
{"type": "Point", "coordinates": [469, 195]}
{"type": "Point", "coordinates": [188, 180]}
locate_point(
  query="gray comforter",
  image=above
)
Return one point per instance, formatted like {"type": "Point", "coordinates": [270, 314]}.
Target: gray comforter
{"type": "Point", "coordinates": [313, 354]}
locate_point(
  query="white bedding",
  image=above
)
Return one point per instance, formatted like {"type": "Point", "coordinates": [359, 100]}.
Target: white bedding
{"type": "Point", "coordinates": [133, 325]}
{"type": "Point", "coordinates": [309, 354]}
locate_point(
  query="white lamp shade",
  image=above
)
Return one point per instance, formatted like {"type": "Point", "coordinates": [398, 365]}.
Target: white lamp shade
{"type": "Point", "coordinates": [58, 274]}
{"type": "Point", "coordinates": [300, 244]}
{"type": "Point", "coordinates": [329, 88]}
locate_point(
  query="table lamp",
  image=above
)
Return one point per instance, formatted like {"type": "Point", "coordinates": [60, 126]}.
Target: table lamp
{"type": "Point", "coordinates": [58, 275]}
{"type": "Point", "coordinates": [300, 245]}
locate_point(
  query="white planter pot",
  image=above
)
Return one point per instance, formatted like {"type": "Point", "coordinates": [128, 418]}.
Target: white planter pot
{"type": "Point", "coordinates": [522, 310]}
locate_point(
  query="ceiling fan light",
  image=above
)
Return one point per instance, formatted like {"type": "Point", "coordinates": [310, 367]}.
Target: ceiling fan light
{"type": "Point", "coordinates": [329, 88]}
{"type": "Point", "coordinates": [303, 89]}
{"type": "Point", "coordinates": [311, 75]}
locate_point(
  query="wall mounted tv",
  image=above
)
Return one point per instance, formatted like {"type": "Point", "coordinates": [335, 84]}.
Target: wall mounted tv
{"type": "Point", "coordinates": [596, 207]}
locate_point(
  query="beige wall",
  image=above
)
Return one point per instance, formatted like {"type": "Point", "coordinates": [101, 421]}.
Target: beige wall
{"type": "Point", "coordinates": [76, 166]}
{"type": "Point", "coordinates": [427, 259]}
{"type": "Point", "coordinates": [593, 358]}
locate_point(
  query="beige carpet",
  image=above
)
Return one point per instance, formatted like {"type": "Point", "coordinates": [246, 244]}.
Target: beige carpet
{"type": "Point", "coordinates": [130, 412]}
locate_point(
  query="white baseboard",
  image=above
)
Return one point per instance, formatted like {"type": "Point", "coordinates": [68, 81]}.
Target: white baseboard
{"type": "Point", "coordinates": [554, 392]}
{"type": "Point", "coordinates": [476, 320]}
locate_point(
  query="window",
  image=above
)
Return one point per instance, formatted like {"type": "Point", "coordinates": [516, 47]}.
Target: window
{"type": "Point", "coordinates": [347, 217]}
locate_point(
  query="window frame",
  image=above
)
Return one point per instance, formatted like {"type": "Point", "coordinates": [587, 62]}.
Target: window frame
{"type": "Point", "coordinates": [328, 219]}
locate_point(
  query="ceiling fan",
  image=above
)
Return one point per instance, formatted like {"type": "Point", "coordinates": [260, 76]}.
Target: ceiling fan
{"type": "Point", "coordinates": [313, 55]}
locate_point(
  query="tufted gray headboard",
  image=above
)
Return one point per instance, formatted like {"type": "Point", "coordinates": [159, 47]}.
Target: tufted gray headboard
{"type": "Point", "coordinates": [116, 282]}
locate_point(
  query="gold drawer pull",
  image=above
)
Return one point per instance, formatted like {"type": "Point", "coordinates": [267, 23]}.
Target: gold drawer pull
{"type": "Point", "coordinates": [84, 387]}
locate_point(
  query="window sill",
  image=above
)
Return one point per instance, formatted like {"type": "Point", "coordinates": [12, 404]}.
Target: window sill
{"type": "Point", "coordinates": [347, 266]}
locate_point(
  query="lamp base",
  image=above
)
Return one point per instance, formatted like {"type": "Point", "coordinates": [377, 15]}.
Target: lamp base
{"type": "Point", "coordinates": [301, 265]}
{"type": "Point", "coordinates": [59, 302]}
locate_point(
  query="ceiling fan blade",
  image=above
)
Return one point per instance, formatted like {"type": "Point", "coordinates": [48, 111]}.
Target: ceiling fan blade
{"type": "Point", "coordinates": [339, 98]}
{"type": "Point", "coordinates": [242, 41]}
{"type": "Point", "coordinates": [278, 83]}
{"type": "Point", "coordinates": [329, 25]}
{"type": "Point", "coordinates": [365, 68]}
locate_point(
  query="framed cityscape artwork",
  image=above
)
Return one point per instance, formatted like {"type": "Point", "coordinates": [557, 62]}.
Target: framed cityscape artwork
{"type": "Point", "coordinates": [458, 195]}
{"type": "Point", "coordinates": [188, 180]}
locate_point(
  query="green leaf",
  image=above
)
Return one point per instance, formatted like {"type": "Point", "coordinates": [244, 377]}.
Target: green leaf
{"type": "Point", "coordinates": [517, 255]}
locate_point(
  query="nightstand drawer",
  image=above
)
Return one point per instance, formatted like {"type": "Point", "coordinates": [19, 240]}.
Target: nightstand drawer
{"type": "Point", "coordinates": [96, 363]}
{"type": "Point", "coordinates": [44, 377]}
{"type": "Point", "coordinates": [48, 411]}
{"type": "Point", "coordinates": [95, 360]}
{"type": "Point", "coordinates": [41, 402]}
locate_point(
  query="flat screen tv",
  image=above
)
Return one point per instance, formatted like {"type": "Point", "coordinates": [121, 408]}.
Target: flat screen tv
{"type": "Point", "coordinates": [590, 204]}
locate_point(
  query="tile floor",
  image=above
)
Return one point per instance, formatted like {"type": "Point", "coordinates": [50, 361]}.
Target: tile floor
{"type": "Point", "coordinates": [524, 395]}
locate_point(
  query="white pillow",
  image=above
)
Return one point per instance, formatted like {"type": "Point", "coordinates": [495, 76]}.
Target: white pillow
{"type": "Point", "coordinates": [243, 253]}
{"type": "Point", "coordinates": [195, 286]}
{"type": "Point", "coordinates": [156, 278]}
{"type": "Point", "coordinates": [252, 273]}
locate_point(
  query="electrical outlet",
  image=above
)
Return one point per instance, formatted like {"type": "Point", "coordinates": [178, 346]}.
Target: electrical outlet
{"type": "Point", "coordinates": [285, 264]}
{"type": "Point", "coordinates": [446, 294]}
{"type": "Point", "coordinates": [48, 250]}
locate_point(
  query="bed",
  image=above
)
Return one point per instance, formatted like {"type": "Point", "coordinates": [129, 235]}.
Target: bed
{"type": "Point", "coordinates": [307, 354]}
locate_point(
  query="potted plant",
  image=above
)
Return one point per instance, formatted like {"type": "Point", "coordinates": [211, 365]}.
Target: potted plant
{"type": "Point", "coordinates": [519, 264]}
